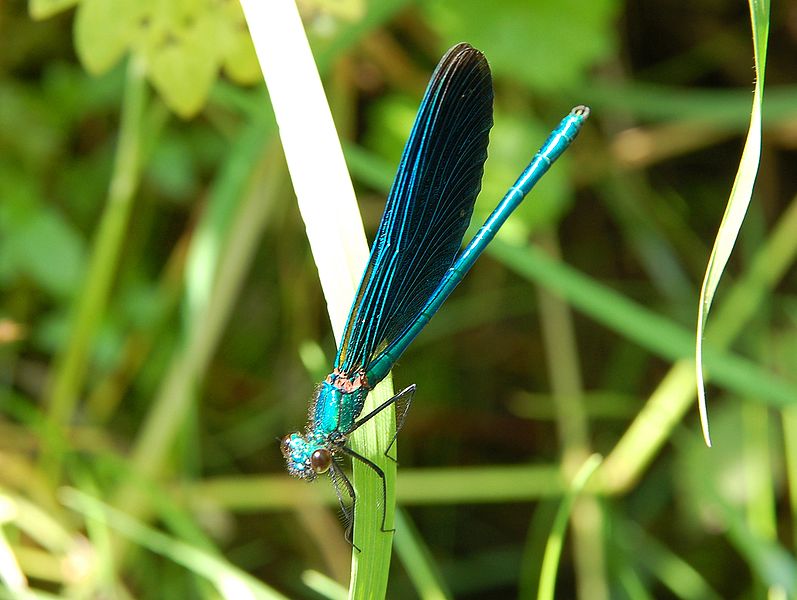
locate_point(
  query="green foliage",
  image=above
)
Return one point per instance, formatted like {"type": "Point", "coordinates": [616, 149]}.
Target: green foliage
{"type": "Point", "coordinates": [546, 45]}
{"type": "Point", "coordinates": [185, 44]}
{"type": "Point", "coordinates": [36, 242]}
{"type": "Point", "coordinates": [41, 9]}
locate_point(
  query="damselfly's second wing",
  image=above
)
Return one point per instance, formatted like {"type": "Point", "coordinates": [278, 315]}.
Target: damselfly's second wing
{"type": "Point", "coordinates": [429, 206]}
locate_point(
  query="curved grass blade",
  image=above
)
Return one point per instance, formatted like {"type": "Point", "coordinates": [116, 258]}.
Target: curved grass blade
{"type": "Point", "coordinates": [418, 562]}
{"type": "Point", "coordinates": [553, 549]}
{"type": "Point", "coordinates": [658, 334]}
{"type": "Point", "coordinates": [672, 570]}
{"type": "Point", "coordinates": [737, 203]}
{"type": "Point", "coordinates": [10, 572]}
{"type": "Point", "coordinates": [323, 586]}
{"type": "Point", "coordinates": [229, 580]}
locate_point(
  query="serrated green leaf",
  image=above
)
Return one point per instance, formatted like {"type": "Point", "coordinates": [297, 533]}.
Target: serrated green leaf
{"type": "Point", "coordinates": [549, 45]}
{"type": "Point", "coordinates": [185, 65]}
{"type": "Point", "coordinates": [104, 31]}
{"type": "Point", "coordinates": [42, 9]}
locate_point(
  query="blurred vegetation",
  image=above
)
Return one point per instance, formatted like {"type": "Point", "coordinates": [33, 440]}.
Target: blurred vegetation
{"type": "Point", "coordinates": [161, 320]}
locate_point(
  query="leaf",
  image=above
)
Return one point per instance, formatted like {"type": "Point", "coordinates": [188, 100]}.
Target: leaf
{"type": "Point", "coordinates": [173, 166]}
{"type": "Point", "coordinates": [240, 62]}
{"type": "Point", "coordinates": [348, 10]}
{"type": "Point", "coordinates": [104, 31]}
{"type": "Point", "coordinates": [55, 255]}
{"type": "Point", "coordinates": [184, 66]}
{"type": "Point", "coordinates": [549, 45]}
{"type": "Point", "coordinates": [238, 53]}
{"type": "Point", "coordinates": [738, 202]}
{"type": "Point", "coordinates": [42, 9]}
{"type": "Point", "coordinates": [43, 247]}
{"type": "Point", "coordinates": [35, 240]}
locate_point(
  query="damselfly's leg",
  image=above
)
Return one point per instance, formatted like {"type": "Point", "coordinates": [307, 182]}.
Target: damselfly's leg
{"type": "Point", "coordinates": [376, 469]}
{"type": "Point", "coordinates": [339, 480]}
{"type": "Point", "coordinates": [402, 400]}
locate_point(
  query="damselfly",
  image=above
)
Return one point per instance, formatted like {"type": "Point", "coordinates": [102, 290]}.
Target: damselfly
{"type": "Point", "coordinates": [415, 261]}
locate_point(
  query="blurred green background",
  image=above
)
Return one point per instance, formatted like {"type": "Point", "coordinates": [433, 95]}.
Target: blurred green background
{"type": "Point", "coordinates": [161, 320]}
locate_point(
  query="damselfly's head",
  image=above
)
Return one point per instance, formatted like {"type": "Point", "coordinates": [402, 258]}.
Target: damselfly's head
{"type": "Point", "coordinates": [307, 455]}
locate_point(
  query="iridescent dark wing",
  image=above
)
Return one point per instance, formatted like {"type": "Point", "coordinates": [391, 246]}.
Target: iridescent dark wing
{"type": "Point", "coordinates": [429, 206]}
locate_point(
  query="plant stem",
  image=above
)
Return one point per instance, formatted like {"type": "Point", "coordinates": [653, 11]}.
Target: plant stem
{"type": "Point", "coordinates": [71, 366]}
{"type": "Point", "coordinates": [571, 418]}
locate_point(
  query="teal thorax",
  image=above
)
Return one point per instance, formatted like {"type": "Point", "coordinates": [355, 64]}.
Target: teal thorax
{"type": "Point", "coordinates": [338, 401]}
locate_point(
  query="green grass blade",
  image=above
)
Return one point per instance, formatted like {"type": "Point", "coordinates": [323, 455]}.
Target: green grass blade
{"type": "Point", "coordinates": [229, 580]}
{"type": "Point", "coordinates": [775, 567]}
{"type": "Point", "coordinates": [738, 202]}
{"type": "Point", "coordinates": [674, 394]}
{"type": "Point", "coordinates": [417, 561]}
{"type": "Point", "coordinates": [67, 380]}
{"type": "Point", "coordinates": [187, 367]}
{"type": "Point", "coordinates": [323, 585]}
{"type": "Point", "coordinates": [334, 228]}
{"type": "Point", "coordinates": [789, 425]}
{"type": "Point", "coordinates": [10, 572]}
{"type": "Point", "coordinates": [428, 486]}
{"type": "Point", "coordinates": [718, 109]}
{"type": "Point", "coordinates": [534, 547]}
{"type": "Point", "coordinates": [370, 567]}
{"type": "Point", "coordinates": [553, 549]}
{"type": "Point", "coordinates": [658, 334]}
{"type": "Point", "coordinates": [28, 594]}
{"type": "Point", "coordinates": [681, 578]}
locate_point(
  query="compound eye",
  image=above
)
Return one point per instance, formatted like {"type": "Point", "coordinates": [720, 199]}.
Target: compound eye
{"type": "Point", "coordinates": [285, 445]}
{"type": "Point", "coordinates": [321, 460]}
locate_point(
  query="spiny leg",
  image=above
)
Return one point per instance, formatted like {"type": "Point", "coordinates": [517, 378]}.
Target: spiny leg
{"type": "Point", "coordinates": [378, 470]}
{"type": "Point", "coordinates": [339, 479]}
{"type": "Point", "coordinates": [403, 401]}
